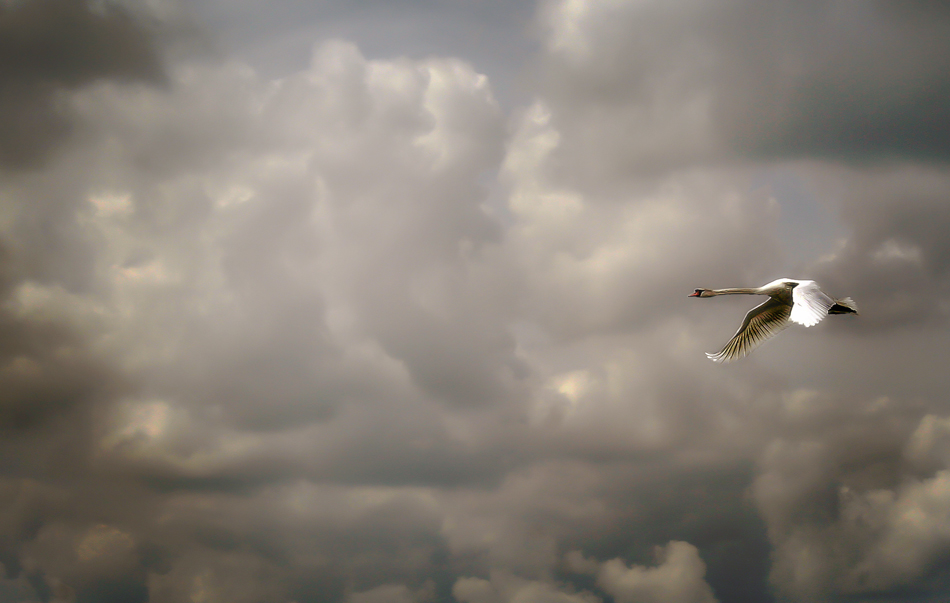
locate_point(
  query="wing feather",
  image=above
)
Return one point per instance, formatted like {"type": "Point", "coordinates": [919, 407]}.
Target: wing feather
{"type": "Point", "coordinates": [761, 323]}
{"type": "Point", "coordinates": [809, 304]}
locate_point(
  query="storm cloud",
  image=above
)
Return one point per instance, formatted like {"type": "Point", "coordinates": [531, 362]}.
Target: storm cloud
{"type": "Point", "coordinates": [363, 333]}
{"type": "Point", "coordinates": [49, 47]}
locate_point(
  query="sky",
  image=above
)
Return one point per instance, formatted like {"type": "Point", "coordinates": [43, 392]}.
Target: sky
{"type": "Point", "coordinates": [386, 302]}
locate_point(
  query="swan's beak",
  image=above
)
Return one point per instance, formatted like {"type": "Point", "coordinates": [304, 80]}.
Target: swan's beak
{"type": "Point", "coordinates": [693, 294]}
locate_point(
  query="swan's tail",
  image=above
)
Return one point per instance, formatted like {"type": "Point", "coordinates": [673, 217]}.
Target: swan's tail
{"type": "Point", "coordinates": [844, 306]}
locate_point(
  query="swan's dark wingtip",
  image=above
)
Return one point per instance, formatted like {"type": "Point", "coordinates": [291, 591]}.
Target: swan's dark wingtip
{"type": "Point", "coordinates": [844, 306]}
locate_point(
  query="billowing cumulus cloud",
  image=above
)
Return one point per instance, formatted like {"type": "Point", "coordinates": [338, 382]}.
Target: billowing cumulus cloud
{"type": "Point", "coordinates": [507, 588]}
{"type": "Point", "coordinates": [362, 333]}
{"type": "Point", "coordinates": [857, 527]}
{"type": "Point", "coordinates": [678, 578]}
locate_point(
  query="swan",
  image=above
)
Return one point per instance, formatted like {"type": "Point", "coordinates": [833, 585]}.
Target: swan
{"type": "Point", "coordinates": [789, 300]}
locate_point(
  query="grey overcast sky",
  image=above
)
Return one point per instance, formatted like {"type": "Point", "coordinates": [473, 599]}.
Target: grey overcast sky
{"type": "Point", "coordinates": [385, 302]}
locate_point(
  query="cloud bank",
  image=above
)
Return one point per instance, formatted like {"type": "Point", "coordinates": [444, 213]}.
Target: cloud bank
{"type": "Point", "coordinates": [362, 334]}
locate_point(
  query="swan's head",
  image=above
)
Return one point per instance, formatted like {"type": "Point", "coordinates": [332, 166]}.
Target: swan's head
{"type": "Point", "coordinates": [701, 293]}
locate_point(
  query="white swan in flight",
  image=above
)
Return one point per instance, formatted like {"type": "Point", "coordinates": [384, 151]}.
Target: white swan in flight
{"type": "Point", "coordinates": [789, 300]}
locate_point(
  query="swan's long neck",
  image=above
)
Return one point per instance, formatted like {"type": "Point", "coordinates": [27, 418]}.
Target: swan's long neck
{"type": "Point", "coordinates": [737, 291]}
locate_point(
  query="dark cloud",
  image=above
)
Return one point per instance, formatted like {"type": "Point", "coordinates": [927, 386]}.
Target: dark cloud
{"type": "Point", "coordinates": [49, 46]}
{"type": "Point", "coordinates": [645, 87]}
{"type": "Point", "coordinates": [858, 84]}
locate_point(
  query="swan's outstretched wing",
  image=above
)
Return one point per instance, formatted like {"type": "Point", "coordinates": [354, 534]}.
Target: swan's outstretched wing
{"type": "Point", "coordinates": [762, 322]}
{"type": "Point", "coordinates": [809, 304]}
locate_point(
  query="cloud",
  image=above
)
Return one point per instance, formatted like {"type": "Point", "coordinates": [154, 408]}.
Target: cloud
{"type": "Point", "coordinates": [256, 296]}
{"type": "Point", "coordinates": [643, 87]}
{"type": "Point", "coordinates": [361, 333]}
{"type": "Point", "coordinates": [503, 588]}
{"type": "Point", "coordinates": [843, 523]}
{"type": "Point", "coordinates": [894, 247]}
{"type": "Point", "coordinates": [396, 593]}
{"type": "Point", "coordinates": [677, 578]}
{"type": "Point", "coordinates": [48, 48]}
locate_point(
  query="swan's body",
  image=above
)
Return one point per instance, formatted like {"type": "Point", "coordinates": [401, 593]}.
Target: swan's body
{"type": "Point", "coordinates": [789, 300]}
